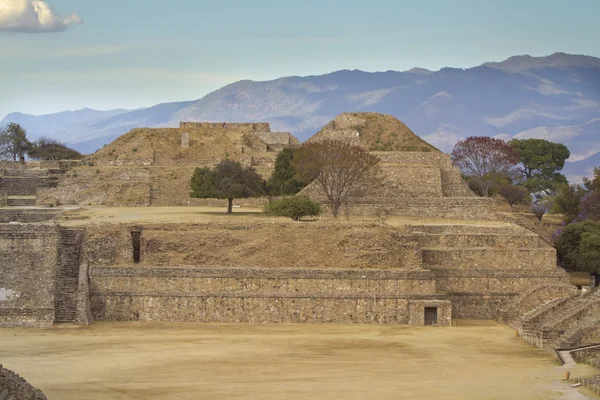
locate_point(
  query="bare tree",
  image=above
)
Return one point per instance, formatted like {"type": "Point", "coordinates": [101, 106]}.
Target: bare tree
{"type": "Point", "coordinates": [338, 170]}
{"type": "Point", "coordinates": [485, 160]}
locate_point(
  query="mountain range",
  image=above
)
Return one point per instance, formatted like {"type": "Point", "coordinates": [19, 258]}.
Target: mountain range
{"type": "Point", "coordinates": [556, 97]}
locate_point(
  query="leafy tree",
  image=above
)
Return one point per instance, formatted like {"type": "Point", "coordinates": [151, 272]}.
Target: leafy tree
{"type": "Point", "coordinates": [338, 170]}
{"type": "Point", "coordinates": [228, 180]}
{"type": "Point", "coordinates": [13, 142]}
{"type": "Point", "coordinates": [567, 201]}
{"type": "Point", "coordinates": [294, 207]}
{"type": "Point", "coordinates": [515, 194]}
{"type": "Point", "coordinates": [589, 208]}
{"type": "Point", "coordinates": [283, 181]}
{"type": "Point", "coordinates": [540, 162]}
{"type": "Point", "coordinates": [578, 246]}
{"type": "Point", "coordinates": [49, 149]}
{"type": "Point", "coordinates": [594, 183]}
{"type": "Point", "coordinates": [485, 161]}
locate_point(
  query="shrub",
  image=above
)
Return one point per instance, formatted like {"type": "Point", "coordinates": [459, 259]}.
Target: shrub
{"type": "Point", "coordinates": [515, 194]}
{"type": "Point", "coordinates": [294, 207]}
{"type": "Point", "coordinates": [540, 209]}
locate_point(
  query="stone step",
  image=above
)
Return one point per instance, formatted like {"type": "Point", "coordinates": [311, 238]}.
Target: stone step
{"type": "Point", "coordinates": [466, 240]}
{"type": "Point", "coordinates": [467, 229]}
{"type": "Point", "coordinates": [21, 201]}
{"type": "Point", "coordinates": [490, 258]}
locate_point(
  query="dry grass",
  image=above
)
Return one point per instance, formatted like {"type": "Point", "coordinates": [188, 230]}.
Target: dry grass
{"type": "Point", "coordinates": [85, 215]}
{"type": "Point", "coordinates": [163, 145]}
{"type": "Point", "coordinates": [128, 361]}
{"type": "Point", "coordinates": [378, 132]}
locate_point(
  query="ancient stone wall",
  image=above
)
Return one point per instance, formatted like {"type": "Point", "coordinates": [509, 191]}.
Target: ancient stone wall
{"type": "Point", "coordinates": [277, 141]}
{"type": "Point", "coordinates": [452, 182]}
{"type": "Point", "coordinates": [258, 296]}
{"type": "Point", "coordinates": [256, 127]}
{"type": "Point", "coordinates": [8, 215]}
{"type": "Point", "coordinates": [425, 207]}
{"type": "Point", "coordinates": [12, 386]}
{"type": "Point", "coordinates": [28, 257]}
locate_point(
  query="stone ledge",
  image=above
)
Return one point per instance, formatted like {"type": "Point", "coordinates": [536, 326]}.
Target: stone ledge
{"type": "Point", "coordinates": [230, 295]}
{"type": "Point", "coordinates": [211, 272]}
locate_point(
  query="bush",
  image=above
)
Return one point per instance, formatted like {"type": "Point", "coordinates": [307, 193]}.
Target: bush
{"type": "Point", "coordinates": [567, 201]}
{"type": "Point", "coordinates": [540, 209]}
{"type": "Point", "coordinates": [578, 246]}
{"type": "Point", "coordinates": [515, 194]}
{"type": "Point", "coordinates": [294, 207]}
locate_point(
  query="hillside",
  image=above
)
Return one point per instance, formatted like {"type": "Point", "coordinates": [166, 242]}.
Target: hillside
{"type": "Point", "coordinates": [374, 132]}
{"type": "Point", "coordinates": [507, 98]}
{"type": "Point", "coordinates": [576, 171]}
{"type": "Point", "coordinates": [582, 140]}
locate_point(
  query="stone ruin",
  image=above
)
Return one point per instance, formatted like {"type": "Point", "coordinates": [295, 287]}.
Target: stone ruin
{"type": "Point", "coordinates": [13, 387]}
{"type": "Point", "coordinates": [443, 270]}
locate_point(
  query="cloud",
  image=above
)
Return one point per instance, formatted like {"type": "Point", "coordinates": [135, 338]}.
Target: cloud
{"type": "Point", "coordinates": [62, 52]}
{"type": "Point", "coordinates": [32, 16]}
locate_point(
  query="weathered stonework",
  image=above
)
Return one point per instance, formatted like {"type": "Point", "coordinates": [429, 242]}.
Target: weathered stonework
{"type": "Point", "coordinates": [35, 288]}
{"type": "Point", "coordinates": [12, 386]}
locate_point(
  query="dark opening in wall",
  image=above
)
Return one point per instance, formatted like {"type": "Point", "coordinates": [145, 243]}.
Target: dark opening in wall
{"type": "Point", "coordinates": [431, 316]}
{"type": "Point", "coordinates": [135, 241]}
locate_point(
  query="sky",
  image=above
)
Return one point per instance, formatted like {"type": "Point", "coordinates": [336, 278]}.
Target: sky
{"type": "Point", "coordinates": [69, 54]}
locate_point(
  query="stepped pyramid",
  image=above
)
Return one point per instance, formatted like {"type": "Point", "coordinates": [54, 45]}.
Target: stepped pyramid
{"type": "Point", "coordinates": [419, 180]}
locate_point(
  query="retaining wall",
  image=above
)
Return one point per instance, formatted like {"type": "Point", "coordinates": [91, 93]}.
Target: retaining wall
{"type": "Point", "coordinates": [28, 256]}
{"type": "Point", "coordinates": [259, 126]}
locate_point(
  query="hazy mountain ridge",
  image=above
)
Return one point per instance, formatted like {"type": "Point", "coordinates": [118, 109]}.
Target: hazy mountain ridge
{"type": "Point", "coordinates": [556, 97]}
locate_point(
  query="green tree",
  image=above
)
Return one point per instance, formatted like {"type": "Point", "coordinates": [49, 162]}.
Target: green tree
{"type": "Point", "coordinates": [294, 207]}
{"type": "Point", "coordinates": [594, 183]}
{"type": "Point", "coordinates": [49, 149]}
{"type": "Point", "coordinates": [338, 170]}
{"type": "Point", "coordinates": [568, 200]}
{"type": "Point", "coordinates": [283, 180]}
{"type": "Point", "coordinates": [227, 180]}
{"type": "Point", "coordinates": [539, 163]}
{"type": "Point", "coordinates": [578, 246]}
{"type": "Point", "coordinates": [13, 142]}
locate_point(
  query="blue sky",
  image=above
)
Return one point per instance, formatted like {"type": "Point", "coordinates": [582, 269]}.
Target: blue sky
{"type": "Point", "coordinates": [133, 53]}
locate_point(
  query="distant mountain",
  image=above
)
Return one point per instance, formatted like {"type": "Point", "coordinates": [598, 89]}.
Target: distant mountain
{"type": "Point", "coordinates": [556, 60]}
{"type": "Point", "coordinates": [59, 124]}
{"type": "Point", "coordinates": [576, 171]}
{"type": "Point", "coordinates": [582, 140]}
{"type": "Point", "coordinates": [556, 97]}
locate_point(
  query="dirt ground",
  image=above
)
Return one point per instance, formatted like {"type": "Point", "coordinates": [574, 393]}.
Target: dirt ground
{"type": "Point", "coordinates": [480, 361]}
{"type": "Point", "coordinates": [84, 215]}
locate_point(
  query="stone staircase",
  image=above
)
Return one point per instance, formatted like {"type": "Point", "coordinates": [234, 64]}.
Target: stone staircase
{"type": "Point", "coordinates": [65, 300]}
{"type": "Point", "coordinates": [21, 186]}
{"type": "Point", "coordinates": [483, 267]}
{"type": "Point", "coordinates": [561, 322]}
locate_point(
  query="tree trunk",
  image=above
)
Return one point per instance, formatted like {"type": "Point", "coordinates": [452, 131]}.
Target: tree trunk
{"type": "Point", "coordinates": [335, 209]}
{"type": "Point", "coordinates": [229, 206]}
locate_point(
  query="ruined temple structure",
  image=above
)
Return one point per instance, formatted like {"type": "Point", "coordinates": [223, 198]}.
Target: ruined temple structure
{"type": "Point", "coordinates": [452, 257]}
{"type": "Point", "coordinates": [153, 167]}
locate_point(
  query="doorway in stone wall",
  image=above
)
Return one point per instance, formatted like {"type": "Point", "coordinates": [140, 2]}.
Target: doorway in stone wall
{"type": "Point", "coordinates": [431, 316]}
{"type": "Point", "coordinates": [135, 241]}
